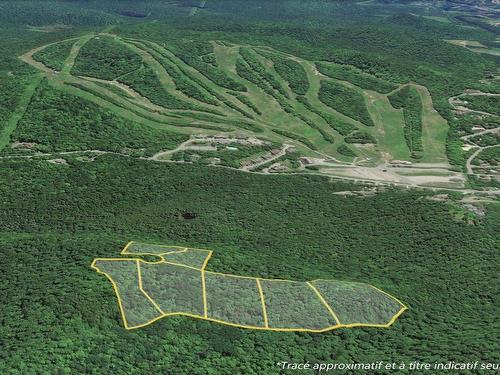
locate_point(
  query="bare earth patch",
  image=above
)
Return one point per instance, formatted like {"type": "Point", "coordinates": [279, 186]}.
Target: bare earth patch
{"type": "Point", "coordinates": [49, 28]}
{"type": "Point", "coordinates": [58, 161]}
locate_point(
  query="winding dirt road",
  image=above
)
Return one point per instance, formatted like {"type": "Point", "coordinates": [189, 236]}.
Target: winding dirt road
{"type": "Point", "coordinates": [468, 163]}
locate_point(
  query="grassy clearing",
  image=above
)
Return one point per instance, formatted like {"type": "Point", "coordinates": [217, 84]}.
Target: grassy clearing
{"type": "Point", "coordinates": [389, 128]}
{"type": "Point", "coordinates": [408, 100]}
{"type": "Point", "coordinates": [434, 130]}
{"type": "Point", "coordinates": [476, 46]}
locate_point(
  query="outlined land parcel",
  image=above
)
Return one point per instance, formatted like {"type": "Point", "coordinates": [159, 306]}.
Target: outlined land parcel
{"type": "Point", "coordinates": [178, 284]}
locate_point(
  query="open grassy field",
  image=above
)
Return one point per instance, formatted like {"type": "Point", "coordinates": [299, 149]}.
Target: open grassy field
{"type": "Point", "coordinates": [434, 130]}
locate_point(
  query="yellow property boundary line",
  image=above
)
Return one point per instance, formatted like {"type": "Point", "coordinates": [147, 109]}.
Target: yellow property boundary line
{"type": "Point", "coordinates": [205, 308]}
{"type": "Point", "coordinates": [263, 303]}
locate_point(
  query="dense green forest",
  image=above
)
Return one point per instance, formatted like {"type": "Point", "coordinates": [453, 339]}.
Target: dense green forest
{"type": "Point", "coordinates": [490, 104]}
{"type": "Point", "coordinates": [490, 156]}
{"type": "Point", "coordinates": [56, 121]}
{"type": "Point", "coordinates": [292, 72]}
{"type": "Point", "coordinates": [103, 58]}
{"type": "Point", "coordinates": [272, 226]}
{"type": "Point", "coordinates": [59, 316]}
{"type": "Point", "coordinates": [346, 100]}
{"type": "Point", "coordinates": [54, 55]}
{"type": "Point", "coordinates": [230, 155]}
{"type": "Point", "coordinates": [356, 76]}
